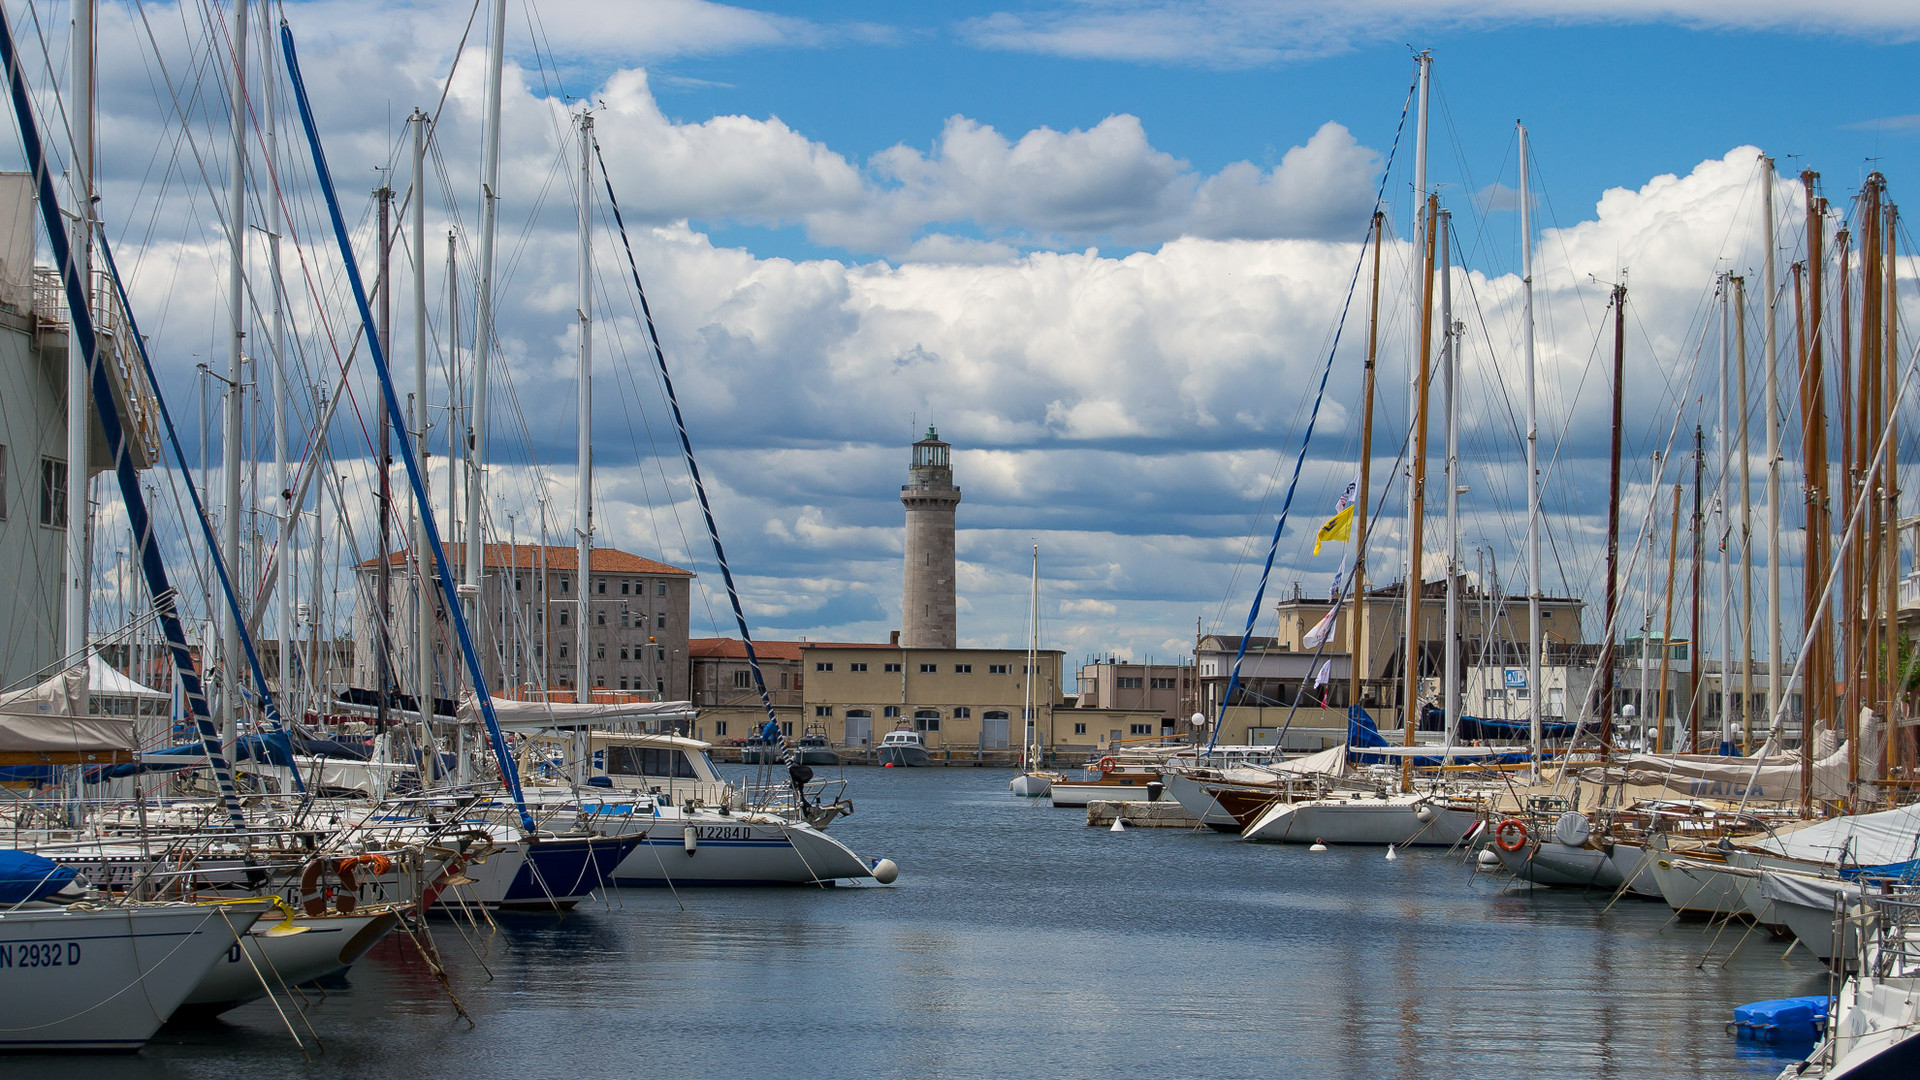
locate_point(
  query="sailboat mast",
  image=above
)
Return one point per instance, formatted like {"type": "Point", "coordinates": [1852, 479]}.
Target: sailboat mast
{"type": "Point", "coordinates": [1450, 361]}
{"type": "Point", "coordinates": [1410, 657]}
{"type": "Point", "coordinates": [1699, 524]}
{"type": "Point", "coordinates": [237, 330]}
{"type": "Point", "coordinates": [383, 464]}
{"type": "Point", "coordinates": [1666, 630]}
{"type": "Point", "coordinates": [483, 317]}
{"type": "Point", "coordinates": [583, 493]}
{"type": "Point", "coordinates": [80, 248]}
{"type": "Point", "coordinates": [1533, 458]}
{"type": "Point", "coordinates": [284, 598]}
{"type": "Point", "coordinates": [423, 623]}
{"type": "Point", "coordinates": [1771, 286]}
{"type": "Point", "coordinates": [1422, 269]}
{"type": "Point", "coordinates": [1726, 471]}
{"type": "Point", "coordinates": [1890, 490]}
{"type": "Point", "coordinates": [1028, 749]}
{"type": "Point", "coordinates": [1746, 516]}
{"type": "Point", "coordinates": [1357, 583]}
{"type": "Point", "coordinates": [1605, 704]}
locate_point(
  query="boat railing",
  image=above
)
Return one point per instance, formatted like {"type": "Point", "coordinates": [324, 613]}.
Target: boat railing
{"type": "Point", "coordinates": [779, 797]}
{"type": "Point", "coordinates": [1890, 933]}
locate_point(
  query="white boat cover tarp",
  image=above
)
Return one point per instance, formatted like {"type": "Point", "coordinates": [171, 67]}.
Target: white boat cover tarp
{"type": "Point", "coordinates": [1808, 892]}
{"type": "Point", "coordinates": [1768, 778]}
{"type": "Point", "coordinates": [104, 680]}
{"type": "Point", "coordinates": [1329, 762]}
{"type": "Point", "coordinates": [534, 715]}
{"type": "Point", "coordinates": [1879, 839]}
{"type": "Point", "coordinates": [51, 718]}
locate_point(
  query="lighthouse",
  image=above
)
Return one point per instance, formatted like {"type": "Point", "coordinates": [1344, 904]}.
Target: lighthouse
{"type": "Point", "coordinates": [927, 600]}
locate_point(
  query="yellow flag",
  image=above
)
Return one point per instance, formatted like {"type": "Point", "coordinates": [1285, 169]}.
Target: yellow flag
{"type": "Point", "coordinates": [1338, 527]}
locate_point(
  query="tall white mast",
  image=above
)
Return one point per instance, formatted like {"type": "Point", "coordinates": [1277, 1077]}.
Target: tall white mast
{"type": "Point", "coordinates": [423, 620]}
{"type": "Point", "coordinates": [583, 495]}
{"type": "Point", "coordinates": [237, 323]}
{"type": "Point", "coordinates": [1450, 364]}
{"type": "Point", "coordinates": [1773, 443]}
{"type": "Point", "coordinates": [1415, 303]}
{"type": "Point", "coordinates": [1533, 457]}
{"type": "Point", "coordinates": [1727, 475]}
{"type": "Point", "coordinates": [79, 429]}
{"type": "Point", "coordinates": [1029, 747]}
{"type": "Point", "coordinates": [285, 597]}
{"type": "Point", "coordinates": [483, 314]}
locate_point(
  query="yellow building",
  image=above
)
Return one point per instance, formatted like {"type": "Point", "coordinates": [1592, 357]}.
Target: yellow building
{"type": "Point", "coordinates": [960, 700]}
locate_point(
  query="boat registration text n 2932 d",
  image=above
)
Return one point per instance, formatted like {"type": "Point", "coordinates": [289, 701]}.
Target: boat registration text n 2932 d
{"type": "Point", "coordinates": [40, 954]}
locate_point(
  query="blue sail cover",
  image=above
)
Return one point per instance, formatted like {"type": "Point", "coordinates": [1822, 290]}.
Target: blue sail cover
{"type": "Point", "coordinates": [1362, 735]}
{"type": "Point", "coordinates": [26, 877]}
{"type": "Point", "coordinates": [1480, 728]}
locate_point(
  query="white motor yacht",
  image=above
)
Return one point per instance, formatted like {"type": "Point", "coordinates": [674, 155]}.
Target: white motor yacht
{"type": "Point", "coordinates": [903, 748]}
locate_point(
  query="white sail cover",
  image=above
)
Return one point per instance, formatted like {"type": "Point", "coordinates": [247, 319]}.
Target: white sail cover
{"type": "Point", "coordinates": [1880, 839]}
{"type": "Point", "coordinates": [50, 720]}
{"type": "Point", "coordinates": [1329, 762]}
{"type": "Point", "coordinates": [1772, 778]}
{"type": "Point", "coordinates": [535, 715]}
{"type": "Point", "coordinates": [1802, 890]}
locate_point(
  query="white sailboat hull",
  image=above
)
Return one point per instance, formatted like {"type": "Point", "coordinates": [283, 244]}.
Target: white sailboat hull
{"type": "Point", "coordinates": [1031, 785]}
{"type": "Point", "coordinates": [106, 979]}
{"type": "Point", "coordinates": [329, 943]}
{"type": "Point", "coordinates": [732, 849]}
{"type": "Point", "coordinates": [1394, 820]}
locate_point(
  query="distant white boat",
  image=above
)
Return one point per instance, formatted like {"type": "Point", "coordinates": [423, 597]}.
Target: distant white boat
{"type": "Point", "coordinates": [903, 748]}
{"type": "Point", "coordinates": [1366, 819]}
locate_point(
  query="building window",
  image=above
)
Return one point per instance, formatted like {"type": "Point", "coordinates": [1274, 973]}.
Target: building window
{"type": "Point", "coordinates": [660, 620]}
{"type": "Point", "coordinates": [563, 618]}
{"type": "Point", "coordinates": [623, 588]}
{"type": "Point", "coordinates": [53, 493]}
{"type": "Point", "coordinates": [961, 712]}
{"type": "Point", "coordinates": [600, 681]}
{"type": "Point", "coordinates": [539, 651]}
{"type": "Point", "coordinates": [661, 654]}
{"type": "Point", "coordinates": [928, 669]}
{"type": "Point", "coordinates": [1127, 682]}
{"type": "Point", "coordinates": [600, 618]}
{"type": "Point", "coordinates": [1079, 729]}
{"type": "Point", "coordinates": [823, 666]}
{"type": "Point", "coordinates": [926, 720]}
{"type": "Point", "coordinates": [996, 669]}
{"type": "Point", "coordinates": [1028, 669]}
{"type": "Point", "coordinates": [563, 584]}
{"type": "Point", "coordinates": [1163, 684]}
{"type": "Point", "coordinates": [786, 728]}
{"type": "Point", "coordinates": [563, 650]}
{"type": "Point", "coordinates": [823, 710]}
{"type": "Point", "coordinates": [600, 586]}
{"type": "Point", "coordinates": [719, 729]}
{"type": "Point", "coordinates": [963, 669]}
{"type": "Point", "coordinates": [742, 680]}
{"type": "Point", "coordinates": [599, 652]}
{"type": "Point", "coordinates": [856, 667]}
{"type": "Point", "coordinates": [893, 669]}
{"type": "Point", "coordinates": [891, 712]}
{"type": "Point", "coordinates": [623, 683]}
{"type": "Point", "coordinates": [623, 652]}
{"type": "Point", "coordinates": [625, 619]}
{"type": "Point", "coordinates": [516, 583]}
{"type": "Point", "coordinates": [663, 589]}
{"type": "Point", "coordinates": [1140, 729]}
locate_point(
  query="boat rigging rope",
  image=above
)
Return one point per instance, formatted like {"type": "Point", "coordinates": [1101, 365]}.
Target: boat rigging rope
{"type": "Point", "coordinates": [772, 729]}
{"type": "Point", "coordinates": [1306, 438]}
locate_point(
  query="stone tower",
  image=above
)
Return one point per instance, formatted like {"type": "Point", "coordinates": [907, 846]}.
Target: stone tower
{"type": "Point", "coordinates": [927, 602]}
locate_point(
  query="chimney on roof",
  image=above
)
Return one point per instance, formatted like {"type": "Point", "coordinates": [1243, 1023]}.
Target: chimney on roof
{"type": "Point", "coordinates": [893, 638]}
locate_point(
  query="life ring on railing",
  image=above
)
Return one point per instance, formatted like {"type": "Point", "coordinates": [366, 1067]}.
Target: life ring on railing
{"type": "Point", "coordinates": [1510, 835]}
{"type": "Point", "coordinates": [1106, 765]}
{"type": "Point", "coordinates": [313, 899]}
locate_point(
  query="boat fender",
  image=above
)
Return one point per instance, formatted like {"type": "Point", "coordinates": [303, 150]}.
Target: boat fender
{"type": "Point", "coordinates": [689, 839]}
{"type": "Point", "coordinates": [885, 872]}
{"type": "Point", "coordinates": [1106, 765]}
{"type": "Point", "coordinates": [1510, 835]}
{"type": "Point", "coordinates": [1423, 814]}
{"type": "Point", "coordinates": [1572, 829]}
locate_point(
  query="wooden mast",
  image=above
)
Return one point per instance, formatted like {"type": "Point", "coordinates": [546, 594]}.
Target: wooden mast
{"type": "Point", "coordinates": [1820, 680]}
{"type": "Point", "coordinates": [1410, 659]}
{"type": "Point", "coordinates": [1357, 583]}
{"type": "Point", "coordinates": [1847, 557]}
{"type": "Point", "coordinates": [1605, 703]}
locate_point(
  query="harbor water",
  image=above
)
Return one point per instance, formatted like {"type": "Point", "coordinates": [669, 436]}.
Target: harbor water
{"type": "Point", "coordinates": [1019, 942]}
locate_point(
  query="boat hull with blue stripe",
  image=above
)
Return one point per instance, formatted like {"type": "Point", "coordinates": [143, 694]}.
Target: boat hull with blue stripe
{"type": "Point", "coordinates": [679, 847]}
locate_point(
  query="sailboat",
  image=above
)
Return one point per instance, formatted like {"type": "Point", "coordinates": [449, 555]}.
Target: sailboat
{"type": "Point", "coordinates": [1032, 783]}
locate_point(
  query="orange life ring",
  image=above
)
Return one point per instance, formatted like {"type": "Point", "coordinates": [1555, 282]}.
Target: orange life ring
{"type": "Point", "coordinates": [1107, 764]}
{"type": "Point", "coordinates": [1510, 835]}
{"type": "Point", "coordinates": [313, 899]}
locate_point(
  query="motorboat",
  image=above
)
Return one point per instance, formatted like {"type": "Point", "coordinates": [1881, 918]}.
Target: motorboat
{"type": "Point", "coordinates": [814, 749]}
{"type": "Point", "coordinates": [692, 846]}
{"type": "Point", "coordinates": [1379, 818]}
{"type": "Point", "coordinates": [1109, 780]}
{"type": "Point", "coordinates": [903, 747]}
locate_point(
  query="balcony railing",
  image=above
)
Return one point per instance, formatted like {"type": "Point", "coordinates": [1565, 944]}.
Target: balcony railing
{"type": "Point", "coordinates": [140, 412]}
